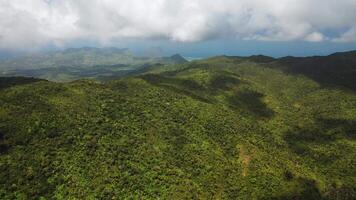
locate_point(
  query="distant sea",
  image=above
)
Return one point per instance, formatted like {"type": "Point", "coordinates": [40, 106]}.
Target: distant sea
{"type": "Point", "coordinates": [192, 58]}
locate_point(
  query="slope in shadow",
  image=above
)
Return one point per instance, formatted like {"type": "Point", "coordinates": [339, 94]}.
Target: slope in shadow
{"type": "Point", "coordinates": [4, 147]}
{"type": "Point", "coordinates": [6, 82]}
{"type": "Point", "coordinates": [309, 191]}
{"type": "Point", "coordinates": [181, 86]}
{"type": "Point", "coordinates": [252, 101]}
{"type": "Point", "coordinates": [325, 131]}
{"type": "Point", "coordinates": [223, 82]}
{"type": "Point", "coordinates": [335, 70]}
{"type": "Point", "coordinates": [342, 128]}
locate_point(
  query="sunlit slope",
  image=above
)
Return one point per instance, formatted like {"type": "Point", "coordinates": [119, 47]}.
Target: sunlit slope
{"type": "Point", "coordinates": [221, 128]}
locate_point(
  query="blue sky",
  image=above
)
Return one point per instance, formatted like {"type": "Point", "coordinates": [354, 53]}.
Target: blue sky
{"type": "Point", "coordinates": [196, 28]}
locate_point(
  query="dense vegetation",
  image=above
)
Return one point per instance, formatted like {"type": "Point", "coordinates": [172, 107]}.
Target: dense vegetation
{"type": "Point", "coordinates": [220, 128]}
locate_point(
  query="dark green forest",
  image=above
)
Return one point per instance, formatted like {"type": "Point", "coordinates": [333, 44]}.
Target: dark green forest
{"type": "Point", "coordinates": [220, 128]}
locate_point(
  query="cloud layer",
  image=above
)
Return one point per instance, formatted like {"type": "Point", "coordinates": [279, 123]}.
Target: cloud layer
{"type": "Point", "coordinates": [34, 23]}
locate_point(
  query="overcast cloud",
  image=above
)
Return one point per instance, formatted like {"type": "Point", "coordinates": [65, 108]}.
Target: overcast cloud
{"type": "Point", "coordinates": [34, 23]}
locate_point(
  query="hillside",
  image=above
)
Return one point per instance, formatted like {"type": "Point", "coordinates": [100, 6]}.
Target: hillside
{"type": "Point", "coordinates": [336, 69]}
{"type": "Point", "coordinates": [220, 128]}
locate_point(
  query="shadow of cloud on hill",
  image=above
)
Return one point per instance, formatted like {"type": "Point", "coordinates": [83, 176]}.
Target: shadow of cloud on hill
{"type": "Point", "coordinates": [223, 82]}
{"type": "Point", "coordinates": [252, 101]}
{"type": "Point", "coordinates": [4, 147]}
{"type": "Point", "coordinates": [330, 71]}
{"type": "Point", "coordinates": [342, 128]}
{"type": "Point", "coordinates": [324, 132]}
{"type": "Point", "coordinates": [308, 191]}
{"type": "Point", "coordinates": [6, 82]}
{"type": "Point", "coordinates": [182, 86]}
{"type": "Point", "coordinates": [190, 66]}
{"type": "Point", "coordinates": [299, 141]}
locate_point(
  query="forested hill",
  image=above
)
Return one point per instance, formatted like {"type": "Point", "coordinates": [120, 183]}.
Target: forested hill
{"type": "Point", "coordinates": [219, 128]}
{"type": "Point", "coordinates": [338, 69]}
{"type": "Point", "coordinates": [335, 69]}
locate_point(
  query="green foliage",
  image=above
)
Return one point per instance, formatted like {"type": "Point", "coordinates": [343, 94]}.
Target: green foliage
{"type": "Point", "coordinates": [221, 128]}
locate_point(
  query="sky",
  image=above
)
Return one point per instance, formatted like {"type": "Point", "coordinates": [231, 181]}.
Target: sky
{"type": "Point", "coordinates": [194, 28]}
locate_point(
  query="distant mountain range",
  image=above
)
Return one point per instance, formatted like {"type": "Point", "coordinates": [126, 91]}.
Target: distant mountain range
{"type": "Point", "coordinates": [110, 63]}
{"type": "Point", "coordinates": [75, 63]}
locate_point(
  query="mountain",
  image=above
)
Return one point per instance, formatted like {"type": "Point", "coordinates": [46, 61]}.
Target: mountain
{"type": "Point", "coordinates": [75, 63]}
{"type": "Point", "coordinates": [336, 69]}
{"type": "Point", "coordinates": [178, 59]}
{"type": "Point", "coordinates": [225, 127]}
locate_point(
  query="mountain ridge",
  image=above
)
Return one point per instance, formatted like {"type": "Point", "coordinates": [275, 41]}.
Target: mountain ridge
{"type": "Point", "coordinates": [223, 127]}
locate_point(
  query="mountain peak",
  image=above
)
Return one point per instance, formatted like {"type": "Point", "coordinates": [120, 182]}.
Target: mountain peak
{"type": "Point", "coordinates": [178, 58]}
{"type": "Point", "coordinates": [261, 58]}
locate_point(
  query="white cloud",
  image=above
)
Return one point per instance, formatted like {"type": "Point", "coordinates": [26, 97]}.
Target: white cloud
{"type": "Point", "coordinates": [315, 37]}
{"type": "Point", "coordinates": [348, 36]}
{"type": "Point", "coordinates": [32, 23]}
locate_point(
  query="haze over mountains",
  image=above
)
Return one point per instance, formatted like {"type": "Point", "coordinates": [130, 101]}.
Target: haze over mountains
{"type": "Point", "coordinates": [75, 63]}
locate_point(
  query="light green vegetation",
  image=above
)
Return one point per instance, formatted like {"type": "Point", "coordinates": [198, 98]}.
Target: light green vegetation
{"type": "Point", "coordinates": [220, 128]}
